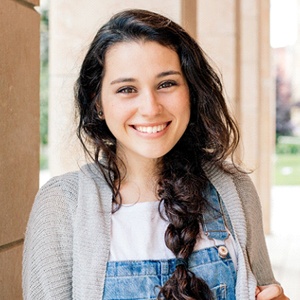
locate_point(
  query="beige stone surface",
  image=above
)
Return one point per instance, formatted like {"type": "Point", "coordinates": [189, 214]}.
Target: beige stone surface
{"type": "Point", "coordinates": [19, 117]}
{"type": "Point", "coordinates": [34, 2]}
{"type": "Point", "coordinates": [235, 34]}
{"type": "Point", "coordinates": [216, 29]}
{"type": "Point", "coordinates": [189, 17]}
{"type": "Point", "coordinates": [249, 80]}
{"type": "Point", "coordinates": [266, 108]}
{"type": "Point", "coordinates": [11, 273]}
{"type": "Point", "coordinates": [66, 153]}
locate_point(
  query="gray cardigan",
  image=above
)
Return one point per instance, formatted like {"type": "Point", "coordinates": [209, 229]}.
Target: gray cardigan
{"type": "Point", "coordinates": [68, 235]}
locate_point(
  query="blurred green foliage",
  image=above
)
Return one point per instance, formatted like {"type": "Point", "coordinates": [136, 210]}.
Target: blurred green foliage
{"type": "Point", "coordinates": [287, 163]}
{"type": "Point", "coordinates": [44, 77]}
{"type": "Point", "coordinates": [287, 169]}
{"type": "Point", "coordinates": [288, 145]}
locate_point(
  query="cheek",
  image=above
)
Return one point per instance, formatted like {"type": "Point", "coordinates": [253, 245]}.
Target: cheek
{"type": "Point", "coordinates": [186, 106]}
{"type": "Point", "coordinates": [115, 117]}
{"type": "Point", "coordinates": [110, 110]}
{"type": "Point", "coordinates": [187, 117]}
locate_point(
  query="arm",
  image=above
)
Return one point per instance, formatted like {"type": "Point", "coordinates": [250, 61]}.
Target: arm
{"type": "Point", "coordinates": [251, 228]}
{"type": "Point", "coordinates": [47, 257]}
{"type": "Point", "coordinates": [256, 245]}
{"type": "Point", "coordinates": [268, 288]}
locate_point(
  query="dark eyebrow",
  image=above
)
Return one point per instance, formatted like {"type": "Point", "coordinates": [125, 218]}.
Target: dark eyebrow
{"type": "Point", "coordinates": [130, 79]}
{"type": "Point", "coordinates": [119, 80]}
{"type": "Point", "coordinates": [171, 72]}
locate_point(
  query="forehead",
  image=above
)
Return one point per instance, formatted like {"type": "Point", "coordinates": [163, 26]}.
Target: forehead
{"type": "Point", "coordinates": [136, 55]}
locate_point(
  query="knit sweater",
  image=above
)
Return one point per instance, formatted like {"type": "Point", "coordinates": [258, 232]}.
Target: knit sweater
{"type": "Point", "coordinates": [67, 240]}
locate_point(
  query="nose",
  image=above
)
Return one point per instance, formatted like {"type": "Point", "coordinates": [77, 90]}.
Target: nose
{"type": "Point", "coordinates": [150, 104]}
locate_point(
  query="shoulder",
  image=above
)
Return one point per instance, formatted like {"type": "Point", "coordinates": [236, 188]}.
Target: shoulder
{"type": "Point", "coordinates": [227, 169]}
{"type": "Point", "coordinates": [61, 195]}
{"type": "Point", "coordinates": [65, 188]}
{"type": "Point", "coordinates": [54, 206]}
{"type": "Point", "coordinates": [228, 172]}
{"type": "Point", "coordinates": [233, 182]}
{"type": "Point", "coordinates": [64, 209]}
{"type": "Point", "coordinates": [58, 190]}
{"type": "Point", "coordinates": [48, 240]}
{"type": "Point", "coordinates": [245, 189]}
{"type": "Point", "coordinates": [66, 183]}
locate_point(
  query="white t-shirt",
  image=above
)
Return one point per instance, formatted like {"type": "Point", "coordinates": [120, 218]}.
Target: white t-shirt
{"type": "Point", "coordinates": [138, 234]}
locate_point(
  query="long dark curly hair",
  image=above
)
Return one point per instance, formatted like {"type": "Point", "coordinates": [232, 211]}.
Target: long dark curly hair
{"type": "Point", "coordinates": [211, 135]}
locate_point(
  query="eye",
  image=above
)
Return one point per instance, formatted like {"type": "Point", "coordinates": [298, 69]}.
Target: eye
{"type": "Point", "coordinates": [126, 90]}
{"type": "Point", "coordinates": [167, 84]}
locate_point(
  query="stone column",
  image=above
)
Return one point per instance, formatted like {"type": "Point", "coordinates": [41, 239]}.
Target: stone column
{"type": "Point", "coordinates": [19, 131]}
{"type": "Point", "coordinates": [235, 34]}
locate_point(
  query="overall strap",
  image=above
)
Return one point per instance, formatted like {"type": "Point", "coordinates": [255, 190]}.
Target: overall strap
{"type": "Point", "coordinates": [214, 221]}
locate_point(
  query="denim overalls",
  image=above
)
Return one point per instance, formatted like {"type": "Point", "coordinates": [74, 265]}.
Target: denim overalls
{"type": "Point", "coordinates": [141, 279]}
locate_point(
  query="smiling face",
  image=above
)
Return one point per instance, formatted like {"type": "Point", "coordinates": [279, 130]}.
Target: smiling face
{"type": "Point", "coordinates": [145, 99]}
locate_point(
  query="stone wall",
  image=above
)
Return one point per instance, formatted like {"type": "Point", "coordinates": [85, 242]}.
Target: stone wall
{"type": "Point", "coordinates": [19, 132]}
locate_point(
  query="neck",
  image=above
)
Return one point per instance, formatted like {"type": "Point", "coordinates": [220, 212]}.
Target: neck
{"type": "Point", "coordinates": [139, 183]}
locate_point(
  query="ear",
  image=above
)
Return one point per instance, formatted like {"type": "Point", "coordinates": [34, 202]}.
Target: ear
{"type": "Point", "coordinates": [101, 115]}
{"type": "Point", "coordinates": [99, 110]}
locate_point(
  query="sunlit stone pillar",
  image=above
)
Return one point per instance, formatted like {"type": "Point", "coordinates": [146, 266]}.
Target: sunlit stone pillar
{"type": "Point", "coordinates": [19, 132]}
{"type": "Point", "coordinates": [235, 34]}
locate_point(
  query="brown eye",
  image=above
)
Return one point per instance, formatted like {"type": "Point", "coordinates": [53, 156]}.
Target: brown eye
{"type": "Point", "coordinates": [126, 90]}
{"type": "Point", "coordinates": [167, 84]}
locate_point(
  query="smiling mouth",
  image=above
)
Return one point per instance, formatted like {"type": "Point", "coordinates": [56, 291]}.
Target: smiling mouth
{"type": "Point", "coordinates": [151, 129]}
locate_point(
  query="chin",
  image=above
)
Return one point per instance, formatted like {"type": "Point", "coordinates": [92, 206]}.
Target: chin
{"type": "Point", "coordinates": [155, 155]}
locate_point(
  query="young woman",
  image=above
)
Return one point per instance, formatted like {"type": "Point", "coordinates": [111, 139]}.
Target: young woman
{"type": "Point", "coordinates": [159, 214]}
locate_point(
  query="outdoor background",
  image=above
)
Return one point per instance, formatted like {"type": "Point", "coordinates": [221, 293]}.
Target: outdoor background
{"type": "Point", "coordinates": [285, 45]}
{"type": "Point", "coordinates": [253, 44]}
{"type": "Point", "coordinates": [283, 244]}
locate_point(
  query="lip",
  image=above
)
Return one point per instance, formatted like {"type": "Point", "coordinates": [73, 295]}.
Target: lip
{"type": "Point", "coordinates": [151, 129]}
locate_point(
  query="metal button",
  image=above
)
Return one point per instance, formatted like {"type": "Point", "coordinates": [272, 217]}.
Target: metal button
{"type": "Point", "coordinates": [223, 251]}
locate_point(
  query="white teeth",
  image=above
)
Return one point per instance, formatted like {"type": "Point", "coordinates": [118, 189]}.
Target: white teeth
{"type": "Point", "coordinates": [151, 129]}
